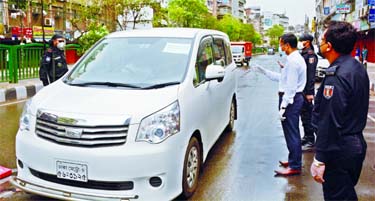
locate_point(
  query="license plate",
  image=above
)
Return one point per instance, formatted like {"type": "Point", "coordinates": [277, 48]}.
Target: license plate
{"type": "Point", "coordinates": [71, 171]}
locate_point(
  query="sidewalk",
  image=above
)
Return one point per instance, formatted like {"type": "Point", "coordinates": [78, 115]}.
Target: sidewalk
{"type": "Point", "coordinates": [21, 90]}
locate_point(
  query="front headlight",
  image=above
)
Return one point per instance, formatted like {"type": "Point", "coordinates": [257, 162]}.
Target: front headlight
{"type": "Point", "coordinates": [160, 125]}
{"type": "Point", "coordinates": [25, 116]}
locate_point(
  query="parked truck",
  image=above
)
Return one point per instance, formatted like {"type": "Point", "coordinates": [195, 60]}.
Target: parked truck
{"type": "Point", "coordinates": [241, 52]}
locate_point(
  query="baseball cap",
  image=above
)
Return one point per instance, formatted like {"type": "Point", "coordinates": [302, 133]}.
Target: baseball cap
{"type": "Point", "coordinates": [305, 37]}
{"type": "Point", "coordinates": [57, 36]}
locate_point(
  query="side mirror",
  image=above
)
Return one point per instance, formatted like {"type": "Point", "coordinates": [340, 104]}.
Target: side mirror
{"type": "Point", "coordinates": [215, 72]}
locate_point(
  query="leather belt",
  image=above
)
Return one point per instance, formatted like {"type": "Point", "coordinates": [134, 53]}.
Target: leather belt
{"type": "Point", "coordinates": [281, 93]}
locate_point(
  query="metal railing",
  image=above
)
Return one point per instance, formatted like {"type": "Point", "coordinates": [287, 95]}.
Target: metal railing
{"type": "Point", "coordinates": [18, 62]}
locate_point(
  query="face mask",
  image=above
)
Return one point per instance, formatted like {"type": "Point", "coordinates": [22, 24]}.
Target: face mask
{"type": "Point", "coordinates": [300, 45]}
{"type": "Point", "coordinates": [320, 52]}
{"type": "Point", "coordinates": [281, 52]}
{"type": "Point", "coordinates": [61, 46]}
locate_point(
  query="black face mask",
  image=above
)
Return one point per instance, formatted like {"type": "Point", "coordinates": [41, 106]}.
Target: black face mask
{"type": "Point", "coordinates": [320, 53]}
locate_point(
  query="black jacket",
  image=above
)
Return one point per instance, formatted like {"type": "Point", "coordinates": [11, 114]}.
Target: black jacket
{"type": "Point", "coordinates": [53, 58]}
{"type": "Point", "coordinates": [311, 61]}
{"type": "Point", "coordinates": [340, 110]}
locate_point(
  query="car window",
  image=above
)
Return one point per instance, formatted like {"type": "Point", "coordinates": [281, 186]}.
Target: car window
{"type": "Point", "coordinates": [237, 49]}
{"type": "Point", "coordinates": [219, 52]}
{"type": "Point", "coordinates": [204, 58]}
{"type": "Point", "coordinates": [228, 53]}
{"type": "Point", "coordinates": [141, 61]}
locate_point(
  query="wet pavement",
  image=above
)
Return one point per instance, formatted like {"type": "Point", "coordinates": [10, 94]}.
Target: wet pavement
{"type": "Point", "coordinates": [241, 165]}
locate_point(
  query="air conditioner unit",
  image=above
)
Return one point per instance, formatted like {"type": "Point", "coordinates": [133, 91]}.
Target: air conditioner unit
{"type": "Point", "coordinates": [47, 22]}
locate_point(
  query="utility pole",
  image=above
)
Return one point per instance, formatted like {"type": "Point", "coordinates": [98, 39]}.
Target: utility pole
{"type": "Point", "coordinates": [44, 41]}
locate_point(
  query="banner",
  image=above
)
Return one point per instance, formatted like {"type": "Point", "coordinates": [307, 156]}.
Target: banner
{"type": "Point", "coordinates": [48, 32]}
{"type": "Point", "coordinates": [26, 32]}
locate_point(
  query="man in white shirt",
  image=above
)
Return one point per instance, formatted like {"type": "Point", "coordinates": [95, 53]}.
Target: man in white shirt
{"type": "Point", "coordinates": [292, 81]}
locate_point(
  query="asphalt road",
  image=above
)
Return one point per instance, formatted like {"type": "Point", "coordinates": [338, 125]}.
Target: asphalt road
{"type": "Point", "coordinates": [241, 165]}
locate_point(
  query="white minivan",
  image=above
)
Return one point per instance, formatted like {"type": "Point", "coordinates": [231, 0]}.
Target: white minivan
{"type": "Point", "coordinates": [133, 120]}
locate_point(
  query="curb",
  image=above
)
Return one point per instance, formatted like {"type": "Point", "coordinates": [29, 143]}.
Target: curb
{"type": "Point", "coordinates": [19, 92]}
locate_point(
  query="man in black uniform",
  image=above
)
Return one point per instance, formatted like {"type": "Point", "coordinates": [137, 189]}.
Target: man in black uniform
{"type": "Point", "coordinates": [311, 60]}
{"type": "Point", "coordinates": [339, 115]}
{"type": "Point", "coordinates": [53, 65]}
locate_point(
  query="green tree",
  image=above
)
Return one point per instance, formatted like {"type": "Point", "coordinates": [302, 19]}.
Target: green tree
{"type": "Point", "coordinates": [95, 32]}
{"type": "Point", "coordinates": [209, 22]}
{"type": "Point", "coordinates": [160, 18]}
{"type": "Point", "coordinates": [135, 10]}
{"type": "Point", "coordinates": [274, 33]}
{"type": "Point", "coordinates": [247, 32]}
{"type": "Point", "coordinates": [187, 13]}
{"type": "Point", "coordinates": [231, 26]}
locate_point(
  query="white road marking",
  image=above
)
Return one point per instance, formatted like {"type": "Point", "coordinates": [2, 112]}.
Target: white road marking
{"type": "Point", "coordinates": [6, 194]}
{"type": "Point", "coordinates": [371, 118]}
{"type": "Point", "coordinates": [6, 104]}
{"type": "Point", "coordinates": [4, 180]}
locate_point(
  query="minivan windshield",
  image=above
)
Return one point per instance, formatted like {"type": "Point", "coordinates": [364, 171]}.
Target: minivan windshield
{"type": "Point", "coordinates": [136, 62]}
{"type": "Point", "coordinates": [236, 49]}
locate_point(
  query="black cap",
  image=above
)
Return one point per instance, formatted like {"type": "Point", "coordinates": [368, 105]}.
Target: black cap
{"type": "Point", "coordinates": [305, 37]}
{"type": "Point", "coordinates": [57, 36]}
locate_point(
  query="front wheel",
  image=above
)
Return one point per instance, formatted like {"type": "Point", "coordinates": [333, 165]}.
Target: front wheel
{"type": "Point", "coordinates": [232, 116]}
{"type": "Point", "coordinates": [192, 164]}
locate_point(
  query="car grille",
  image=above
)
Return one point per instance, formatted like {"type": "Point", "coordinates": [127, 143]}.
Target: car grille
{"type": "Point", "coordinates": [76, 135]}
{"type": "Point", "coordinates": [91, 184]}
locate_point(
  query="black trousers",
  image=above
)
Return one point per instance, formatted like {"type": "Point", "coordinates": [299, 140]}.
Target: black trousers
{"type": "Point", "coordinates": [342, 174]}
{"type": "Point", "coordinates": [306, 115]}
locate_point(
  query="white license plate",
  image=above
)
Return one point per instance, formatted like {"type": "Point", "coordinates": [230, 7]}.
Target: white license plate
{"type": "Point", "coordinates": [71, 171]}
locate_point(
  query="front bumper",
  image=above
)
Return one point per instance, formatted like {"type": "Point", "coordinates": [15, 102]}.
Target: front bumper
{"type": "Point", "coordinates": [135, 162]}
{"type": "Point", "coordinates": [62, 194]}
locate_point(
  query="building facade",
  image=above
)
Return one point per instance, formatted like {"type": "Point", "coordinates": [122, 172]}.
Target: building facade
{"type": "Point", "coordinates": [360, 13]}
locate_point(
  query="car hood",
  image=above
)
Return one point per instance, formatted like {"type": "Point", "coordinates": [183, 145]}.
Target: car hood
{"type": "Point", "coordinates": [102, 102]}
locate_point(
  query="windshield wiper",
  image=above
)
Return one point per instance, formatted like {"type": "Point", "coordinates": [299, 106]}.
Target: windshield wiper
{"type": "Point", "coordinates": [111, 84]}
{"type": "Point", "coordinates": [161, 85]}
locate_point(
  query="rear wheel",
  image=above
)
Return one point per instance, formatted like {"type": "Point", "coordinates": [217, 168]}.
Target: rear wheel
{"type": "Point", "coordinates": [192, 164]}
{"type": "Point", "coordinates": [232, 116]}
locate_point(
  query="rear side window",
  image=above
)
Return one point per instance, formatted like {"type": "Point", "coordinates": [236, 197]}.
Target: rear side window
{"type": "Point", "coordinates": [204, 58]}
{"type": "Point", "coordinates": [228, 53]}
{"type": "Point", "coordinates": [219, 52]}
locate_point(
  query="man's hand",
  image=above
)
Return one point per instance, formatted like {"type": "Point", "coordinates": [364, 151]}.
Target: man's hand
{"type": "Point", "coordinates": [317, 171]}
{"type": "Point", "coordinates": [260, 69]}
{"type": "Point", "coordinates": [280, 64]}
{"type": "Point", "coordinates": [281, 114]}
{"type": "Point", "coordinates": [309, 98]}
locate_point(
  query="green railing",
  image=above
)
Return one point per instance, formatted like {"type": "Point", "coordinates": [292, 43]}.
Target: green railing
{"type": "Point", "coordinates": [18, 62]}
{"type": "Point", "coordinates": [4, 66]}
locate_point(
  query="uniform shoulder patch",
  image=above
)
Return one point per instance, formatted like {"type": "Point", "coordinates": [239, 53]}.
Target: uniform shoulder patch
{"type": "Point", "coordinates": [49, 50]}
{"type": "Point", "coordinates": [328, 91]}
{"type": "Point", "coordinates": [331, 70]}
{"type": "Point", "coordinates": [311, 60]}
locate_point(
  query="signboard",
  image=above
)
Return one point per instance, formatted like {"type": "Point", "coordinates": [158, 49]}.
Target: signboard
{"type": "Point", "coordinates": [326, 11]}
{"type": "Point", "coordinates": [371, 2]}
{"type": "Point", "coordinates": [26, 32]}
{"type": "Point", "coordinates": [343, 8]}
{"type": "Point", "coordinates": [48, 32]}
{"type": "Point", "coordinates": [371, 15]}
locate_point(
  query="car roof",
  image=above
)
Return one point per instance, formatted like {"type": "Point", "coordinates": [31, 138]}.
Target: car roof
{"type": "Point", "coordinates": [165, 32]}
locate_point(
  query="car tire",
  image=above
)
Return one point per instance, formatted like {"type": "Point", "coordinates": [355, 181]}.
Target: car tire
{"type": "Point", "coordinates": [232, 116]}
{"type": "Point", "coordinates": [192, 168]}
